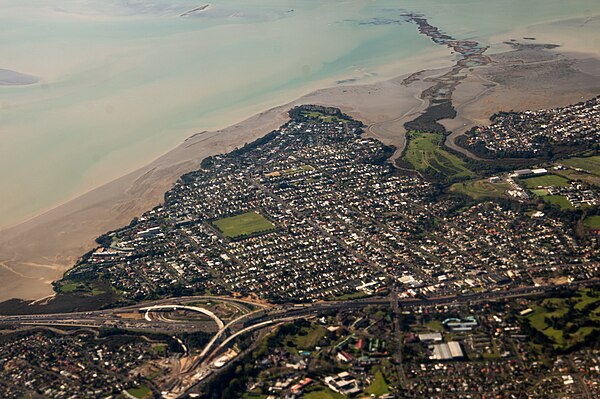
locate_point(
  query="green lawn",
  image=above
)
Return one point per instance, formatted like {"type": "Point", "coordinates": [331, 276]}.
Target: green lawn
{"type": "Point", "coordinates": [589, 164]}
{"type": "Point", "coordinates": [379, 386]}
{"type": "Point", "coordinates": [477, 189]}
{"type": "Point", "coordinates": [353, 295]}
{"type": "Point", "coordinates": [324, 393]}
{"type": "Point", "coordinates": [141, 392]}
{"type": "Point", "coordinates": [537, 320]}
{"type": "Point", "coordinates": [244, 224]}
{"type": "Point", "coordinates": [561, 308]}
{"type": "Point", "coordinates": [581, 176]}
{"type": "Point", "coordinates": [160, 349]}
{"type": "Point", "coordinates": [586, 299]}
{"type": "Point", "coordinates": [425, 154]}
{"type": "Point", "coordinates": [559, 200]}
{"type": "Point", "coordinates": [546, 181]}
{"type": "Point", "coordinates": [592, 222]}
{"type": "Point", "coordinates": [322, 116]}
{"type": "Point", "coordinates": [70, 287]}
{"type": "Point", "coordinates": [435, 325]}
{"type": "Point", "coordinates": [540, 192]}
{"type": "Point", "coordinates": [309, 337]}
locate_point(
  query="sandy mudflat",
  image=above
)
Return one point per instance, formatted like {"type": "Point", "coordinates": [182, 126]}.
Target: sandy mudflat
{"type": "Point", "coordinates": [526, 76]}
{"type": "Point", "coordinates": [36, 252]}
{"type": "Point", "coordinates": [525, 79]}
{"type": "Point", "coordinates": [13, 78]}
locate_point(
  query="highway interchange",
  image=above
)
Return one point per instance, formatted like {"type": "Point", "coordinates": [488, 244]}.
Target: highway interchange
{"type": "Point", "coordinates": [153, 316]}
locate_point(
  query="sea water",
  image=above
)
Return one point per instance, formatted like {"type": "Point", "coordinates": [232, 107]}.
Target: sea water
{"type": "Point", "coordinates": [121, 82]}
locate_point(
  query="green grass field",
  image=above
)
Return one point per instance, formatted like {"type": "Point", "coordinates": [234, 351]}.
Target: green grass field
{"type": "Point", "coordinates": [477, 189]}
{"type": "Point", "coordinates": [142, 392]}
{"type": "Point", "coordinates": [308, 338]}
{"type": "Point", "coordinates": [244, 224]}
{"type": "Point", "coordinates": [379, 386]}
{"type": "Point", "coordinates": [435, 325]}
{"type": "Point", "coordinates": [545, 181]}
{"type": "Point", "coordinates": [160, 349]}
{"type": "Point", "coordinates": [589, 164]}
{"type": "Point", "coordinates": [586, 298]}
{"type": "Point", "coordinates": [70, 287]}
{"type": "Point", "coordinates": [353, 295]}
{"type": "Point", "coordinates": [322, 116]}
{"type": "Point", "coordinates": [559, 200]}
{"type": "Point", "coordinates": [581, 176]}
{"type": "Point", "coordinates": [560, 308]}
{"type": "Point", "coordinates": [593, 222]}
{"type": "Point", "coordinates": [425, 154]}
{"type": "Point", "coordinates": [324, 393]}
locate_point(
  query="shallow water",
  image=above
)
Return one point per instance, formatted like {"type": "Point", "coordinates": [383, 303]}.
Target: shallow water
{"type": "Point", "coordinates": [121, 82]}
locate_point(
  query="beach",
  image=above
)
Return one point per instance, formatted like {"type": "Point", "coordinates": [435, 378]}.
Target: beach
{"type": "Point", "coordinates": [38, 251]}
{"type": "Point", "coordinates": [35, 253]}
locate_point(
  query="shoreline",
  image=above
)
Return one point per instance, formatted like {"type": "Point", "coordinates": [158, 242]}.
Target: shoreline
{"type": "Point", "coordinates": [568, 78]}
{"type": "Point", "coordinates": [105, 171]}
{"type": "Point", "coordinates": [35, 252]}
{"type": "Point", "coordinates": [38, 251]}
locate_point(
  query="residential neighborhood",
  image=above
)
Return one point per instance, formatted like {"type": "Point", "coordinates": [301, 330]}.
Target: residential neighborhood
{"type": "Point", "coordinates": [542, 133]}
{"type": "Point", "coordinates": [314, 212]}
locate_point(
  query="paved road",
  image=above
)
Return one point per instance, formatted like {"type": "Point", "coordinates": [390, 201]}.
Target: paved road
{"type": "Point", "coordinates": [264, 317]}
{"type": "Point", "coordinates": [111, 317]}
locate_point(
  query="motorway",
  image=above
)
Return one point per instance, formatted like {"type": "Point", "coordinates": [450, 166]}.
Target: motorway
{"type": "Point", "coordinates": [151, 317]}
{"type": "Point", "coordinates": [113, 317]}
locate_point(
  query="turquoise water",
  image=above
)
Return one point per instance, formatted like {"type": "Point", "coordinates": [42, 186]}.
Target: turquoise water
{"type": "Point", "coordinates": [121, 82]}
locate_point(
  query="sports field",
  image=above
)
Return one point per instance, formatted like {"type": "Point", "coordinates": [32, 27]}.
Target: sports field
{"type": "Point", "coordinates": [589, 164]}
{"type": "Point", "coordinates": [245, 224]}
{"type": "Point", "coordinates": [546, 181]}
{"type": "Point", "coordinates": [425, 153]}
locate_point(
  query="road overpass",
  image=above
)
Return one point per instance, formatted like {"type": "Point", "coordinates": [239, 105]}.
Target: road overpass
{"type": "Point", "coordinates": [196, 309]}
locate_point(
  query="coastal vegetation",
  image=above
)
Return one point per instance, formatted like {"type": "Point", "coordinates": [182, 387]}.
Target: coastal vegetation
{"type": "Point", "coordinates": [323, 117]}
{"type": "Point", "coordinates": [318, 113]}
{"type": "Point", "coordinates": [70, 287]}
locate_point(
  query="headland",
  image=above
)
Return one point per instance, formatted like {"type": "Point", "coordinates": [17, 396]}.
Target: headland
{"type": "Point", "coordinates": [37, 252]}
